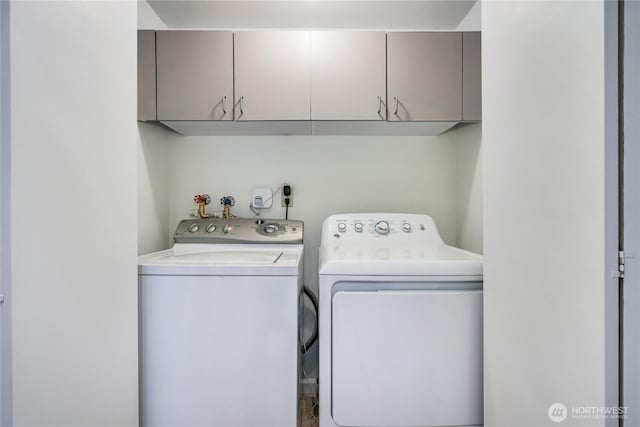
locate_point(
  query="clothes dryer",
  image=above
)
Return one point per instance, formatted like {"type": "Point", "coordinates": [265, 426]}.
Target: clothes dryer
{"type": "Point", "coordinates": [400, 325]}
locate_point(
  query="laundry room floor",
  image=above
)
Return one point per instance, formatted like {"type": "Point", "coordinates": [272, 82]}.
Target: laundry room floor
{"type": "Point", "coordinates": [309, 410]}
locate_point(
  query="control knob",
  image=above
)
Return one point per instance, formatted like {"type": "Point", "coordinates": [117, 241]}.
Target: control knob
{"type": "Point", "coordinates": [406, 227]}
{"type": "Point", "coordinates": [211, 228]}
{"type": "Point", "coordinates": [227, 228]}
{"type": "Point", "coordinates": [342, 227]}
{"type": "Point", "coordinates": [270, 228]}
{"type": "Point", "coordinates": [358, 227]}
{"type": "Point", "coordinates": [194, 227]}
{"type": "Point", "coordinates": [381, 227]}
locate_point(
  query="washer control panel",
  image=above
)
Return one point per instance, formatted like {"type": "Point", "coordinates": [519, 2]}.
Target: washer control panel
{"type": "Point", "coordinates": [361, 228]}
{"type": "Point", "coordinates": [239, 230]}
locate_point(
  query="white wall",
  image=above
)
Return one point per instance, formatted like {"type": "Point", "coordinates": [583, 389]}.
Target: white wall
{"type": "Point", "coordinates": [548, 222]}
{"type": "Point", "coordinates": [467, 139]}
{"type": "Point", "coordinates": [73, 68]}
{"type": "Point", "coordinates": [154, 227]}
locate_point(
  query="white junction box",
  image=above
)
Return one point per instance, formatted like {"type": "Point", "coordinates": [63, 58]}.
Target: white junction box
{"type": "Point", "coordinates": [262, 197]}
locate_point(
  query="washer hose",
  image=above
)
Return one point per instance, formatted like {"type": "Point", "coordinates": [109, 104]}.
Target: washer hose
{"type": "Point", "coordinates": [314, 336]}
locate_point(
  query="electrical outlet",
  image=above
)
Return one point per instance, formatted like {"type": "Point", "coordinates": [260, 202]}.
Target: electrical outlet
{"type": "Point", "coordinates": [287, 196]}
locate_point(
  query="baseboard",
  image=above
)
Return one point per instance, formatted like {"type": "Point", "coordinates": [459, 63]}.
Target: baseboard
{"type": "Point", "coordinates": [309, 386]}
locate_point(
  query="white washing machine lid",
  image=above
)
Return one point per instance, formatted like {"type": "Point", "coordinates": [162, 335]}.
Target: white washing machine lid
{"type": "Point", "coordinates": [414, 260]}
{"type": "Point", "coordinates": [223, 260]}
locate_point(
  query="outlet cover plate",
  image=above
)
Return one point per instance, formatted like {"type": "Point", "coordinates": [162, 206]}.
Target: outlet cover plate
{"type": "Point", "coordinates": [289, 196]}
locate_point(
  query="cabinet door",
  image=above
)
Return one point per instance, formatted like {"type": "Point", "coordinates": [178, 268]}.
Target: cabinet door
{"type": "Point", "coordinates": [424, 76]}
{"type": "Point", "coordinates": [471, 77]}
{"type": "Point", "coordinates": [146, 75]}
{"type": "Point", "coordinates": [272, 75]}
{"type": "Point", "coordinates": [348, 75]}
{"type": "Point", "coordinates": [195, 75]}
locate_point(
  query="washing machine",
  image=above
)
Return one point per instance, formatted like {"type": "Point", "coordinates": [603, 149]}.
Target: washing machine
{"type": "Point", "coordinates": [400, 325]}
{"type": "Point", "coordinates": [218, 325]}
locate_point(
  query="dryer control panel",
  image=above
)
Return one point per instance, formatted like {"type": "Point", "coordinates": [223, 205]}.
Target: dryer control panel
{"type": "Point", "coordinates": [391, 227]}
{"type": "Point", "coordinates": [239, 230]}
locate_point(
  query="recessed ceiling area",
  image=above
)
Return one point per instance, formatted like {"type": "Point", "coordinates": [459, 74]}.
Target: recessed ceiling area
{"type": "Point", "coordinates": [315, 14]}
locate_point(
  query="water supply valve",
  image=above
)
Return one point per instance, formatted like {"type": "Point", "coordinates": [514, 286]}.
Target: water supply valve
{"type": "Point", "coordinates": [227, 202]}
{"type": "Point", "coordinates": [202, 200]}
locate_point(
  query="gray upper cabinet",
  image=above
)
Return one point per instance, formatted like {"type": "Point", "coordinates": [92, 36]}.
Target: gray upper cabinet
{"type": "Point", "coordinates": [329, 77]}
{"type": "Point", "coordinates": [348, 75]}
{"type": "Point", "coordinates": [146, 75]}
{"type": "Point", "coordinates": [272, 75]}
{"type": "Point", "coordinates": [471, 77]}
{"type": "Point", "coordinates": [424, 76]}
{"type": "Point", "coordinates": [195, 75]}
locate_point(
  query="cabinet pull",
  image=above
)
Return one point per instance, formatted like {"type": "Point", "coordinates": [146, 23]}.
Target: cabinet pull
{"type": "Point", "coordinates": [379, 105]}
{"type": "Point", "coordinates": [395, 98]}
{"type": "Point", "coordinates": [241, 110]}
{"type": "Point", "coordinates": [224, 110]}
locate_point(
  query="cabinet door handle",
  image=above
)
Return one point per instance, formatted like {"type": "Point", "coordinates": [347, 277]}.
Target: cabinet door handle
{"type": "Point", "coordinates": [224, 110]}
{"type": "Point", "coordinates": [395, 98]}
{"type": "Point", "coordinates": [379, 105]}
{"type": "Point", "coordinates": [241, 110]}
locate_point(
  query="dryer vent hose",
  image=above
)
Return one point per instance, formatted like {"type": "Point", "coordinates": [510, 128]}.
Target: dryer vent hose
{"type": "Point", "coordinates": [314, 336]}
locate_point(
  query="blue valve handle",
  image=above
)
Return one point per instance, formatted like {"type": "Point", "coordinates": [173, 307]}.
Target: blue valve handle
{"type": "Point", "coordinates": [227, 201]}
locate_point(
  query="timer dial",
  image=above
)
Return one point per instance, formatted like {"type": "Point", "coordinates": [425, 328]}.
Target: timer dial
{"type": "Point", "coordinates": [382, 227]}
{"type": "Point", "coordinates": [270, 228]}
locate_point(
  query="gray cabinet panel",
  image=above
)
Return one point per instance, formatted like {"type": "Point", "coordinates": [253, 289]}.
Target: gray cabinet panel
{"type": "Point", "coordinates": [471, 77]}
{"type": "Point", "coordinates": [272, 75]}
{"type": "Point", "coordinates": [348, 75]}
{"type": "Point", "coordinates": [146, 75]}
{"type": "Point", "coordinates": [424, 76]}
{"type": "Point", "coordinates": [195, 74]}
